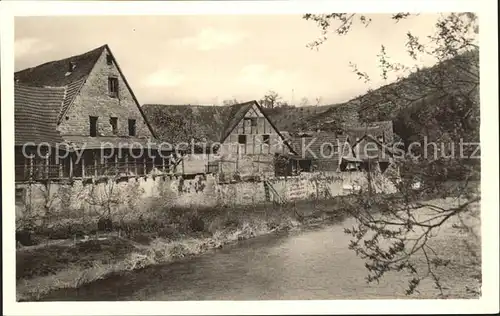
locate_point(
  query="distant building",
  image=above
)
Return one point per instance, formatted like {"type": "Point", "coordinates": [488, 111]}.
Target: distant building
{"type": "Point", "coordinates": [231, 139]}
{"type": "Point", "coordinates": [319, 151]}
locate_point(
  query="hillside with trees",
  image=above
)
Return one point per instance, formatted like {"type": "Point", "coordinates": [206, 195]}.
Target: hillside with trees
{"type": "Point", "coordinates": [436, 102]}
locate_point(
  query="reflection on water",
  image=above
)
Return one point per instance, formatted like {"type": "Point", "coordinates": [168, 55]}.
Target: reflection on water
{"type": "Point", "coordinates": [308, 265]}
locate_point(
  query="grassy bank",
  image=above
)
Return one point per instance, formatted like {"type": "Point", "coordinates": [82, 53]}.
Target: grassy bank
{"type": "Point", "coordinates": [165, 235]}
{"type": "Point", "coordinates": [161, 234]}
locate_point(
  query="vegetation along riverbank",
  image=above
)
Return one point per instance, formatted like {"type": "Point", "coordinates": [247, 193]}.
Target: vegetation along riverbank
{"type": "Point", "coordinates": [168, 235]}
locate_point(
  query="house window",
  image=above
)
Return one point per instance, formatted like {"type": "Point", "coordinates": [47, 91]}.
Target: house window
{"type": "Point", "coordinates": [253, 125]}
{"type": "Point", "coordinates": [113, 87]}
{"type": "Point", "coordinates": [327, 151]}
{"type": "Point", "coordinates": [109, 59]}
{"type": "Point", "coordinates": [265, 139]}
{"type": "Point", "coordinates": [93, 126]}
{"type": "Point", "coordinates": [247, 125]}
{"type": "Point", "coordinates": [242, 139]}
{"type": "Point", "coordinates": [131, 127]}
{"type": "Point", "coordinates": [114, 124]}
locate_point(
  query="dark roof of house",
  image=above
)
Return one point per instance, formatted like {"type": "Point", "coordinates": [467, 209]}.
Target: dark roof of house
{"type": "Point", "coordinates": [57, 74]}
{"type": "Point", "coordinates": [72, 90]}
{"type": "Point", "coordinates": [236, 114]}
{"type": "Point", "coordinates": [309, 146]}
{"type": "Point", "coordinates": [375, 129]}
{"type": "Point", "coordinates": [182, 123]}
{"type": "Point", "coordinates": [291, 118]}
{"type": "Point", "coordinates": [35, 114]}
{"type": "Point", "coordinates": [54, 73]}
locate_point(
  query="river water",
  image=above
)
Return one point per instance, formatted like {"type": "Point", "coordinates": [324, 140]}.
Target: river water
{"type": "Point", "coordinates": [315, 264]}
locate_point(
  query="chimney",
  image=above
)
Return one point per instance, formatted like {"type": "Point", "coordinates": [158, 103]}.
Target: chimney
{"type": "Point", "coordinates": [72, 66]}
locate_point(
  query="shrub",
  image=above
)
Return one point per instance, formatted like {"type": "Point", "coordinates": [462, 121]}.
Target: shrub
{"type": "Point", "coordinates": [24, 237]}
{"type": "Point", "coordinates": [196, 224]}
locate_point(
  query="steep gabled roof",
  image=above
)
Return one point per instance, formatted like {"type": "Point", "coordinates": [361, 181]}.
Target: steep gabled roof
{"type": "Point", "coordinates": [35, 114]}
{"type": "Point", "coordinates": [72, 90]}
{"type": "Point", "coordinates": [236, 114]}
{"type": "Point", "coordinates": [57, 74]}
{"type": "Point", "coordinates": [54, 73]}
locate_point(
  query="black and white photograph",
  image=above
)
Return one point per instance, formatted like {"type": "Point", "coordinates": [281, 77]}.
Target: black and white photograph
{"type": "Point", "coordinates": [302, 155]}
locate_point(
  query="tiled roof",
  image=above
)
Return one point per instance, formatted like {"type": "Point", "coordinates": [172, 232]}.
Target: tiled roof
{"type": "Point", "coordinates": [72, 90]}
{"type": "Point", "coordinates": [57, 74]}
{"type": "Point", "coordinates": [375, 129]}
{"type": "Point", "coordinates": [54, 73]}
{"type": "Point", "coordinates": [309, 146]}
{"type": "Point", "coordinates": [35, 114]}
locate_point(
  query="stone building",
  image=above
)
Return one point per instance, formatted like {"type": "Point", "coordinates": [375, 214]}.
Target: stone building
{"type": "Point", "coordinates": [85, 105]}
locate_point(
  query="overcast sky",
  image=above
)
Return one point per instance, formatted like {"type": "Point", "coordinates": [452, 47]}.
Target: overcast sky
{"type": "Point", "coordinates": [207, 59]}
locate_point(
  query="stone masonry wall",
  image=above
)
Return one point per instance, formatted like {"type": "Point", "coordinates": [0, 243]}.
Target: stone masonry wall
{"type": "Point", "coordinates": [94, 100]}
{"type": "Point", "coordinates": [133, 197]}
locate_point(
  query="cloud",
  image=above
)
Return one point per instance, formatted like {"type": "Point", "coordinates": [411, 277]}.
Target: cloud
{"type": "Point", "coordinates": [210, 39]}
{"type": "Point", "coordinates": [262, 75]}
{"type": "Point", "coordinates": [28, 45]}
{"type": "Point", "coordinates": [165, 78]}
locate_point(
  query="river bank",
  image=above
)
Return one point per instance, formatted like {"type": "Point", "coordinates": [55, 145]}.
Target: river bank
{"type": "Point", "coordinates": [166, 237]}
{"type": "Point", "coordinates": [302, 264]}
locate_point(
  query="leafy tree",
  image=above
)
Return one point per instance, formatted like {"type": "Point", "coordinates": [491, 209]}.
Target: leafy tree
{"type": "Point", "coordinates": [440, 104]}
{"type": "Point", "coordinates": [270, 100]}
